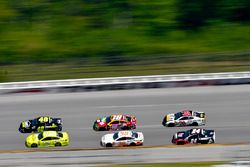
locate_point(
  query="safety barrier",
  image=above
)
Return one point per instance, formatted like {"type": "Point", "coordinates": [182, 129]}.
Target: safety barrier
{"type": "Point", "coordinates": [133, 82]}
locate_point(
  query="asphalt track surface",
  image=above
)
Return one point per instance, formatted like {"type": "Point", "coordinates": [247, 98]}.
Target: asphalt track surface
{"type": "Point", "coordinates": [227, 109]}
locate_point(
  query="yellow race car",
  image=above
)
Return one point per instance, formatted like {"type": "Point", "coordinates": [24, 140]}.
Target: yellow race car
{"type": "Point", "coordinates": [47, 139]}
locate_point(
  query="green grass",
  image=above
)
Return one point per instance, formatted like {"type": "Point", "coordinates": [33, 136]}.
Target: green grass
{"type": "Point", "coordinates": [32, 72]}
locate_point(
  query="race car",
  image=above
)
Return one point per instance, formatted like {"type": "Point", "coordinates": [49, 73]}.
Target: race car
{"type": "Point", "coordinates": [185, 118]}
{"type": "Point", "coordinates": [194, 136]}
{"type": "Point", "coordinates": [47, 139]}
{"type": "Point", "coordinates": [122, 138]}
{"type": "Point", "coordinates": [40, 124]}
{"type": "Point", "coordinates": [115, 122]}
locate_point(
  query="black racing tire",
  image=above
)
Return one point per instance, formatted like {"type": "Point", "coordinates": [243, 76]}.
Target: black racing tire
{"type": "Point", "coordinates": [33, 145]}
{"type": "Point", "coordinates": [108, 145]}
{"type": "Point", "coordinates": [132, 144]}
{"type": "Point", "coordinates": [58, 144]}
{"type": "Point", "coordinates": [180, 143]}
{"type": "Point", "coordinates": [204, 142]}
{"type": "Point", "coordinates": [195, 124]}
{"type": "Point", "coordinates": [102, 129]}
{"type": "Point", "coordinates": [171, 125]}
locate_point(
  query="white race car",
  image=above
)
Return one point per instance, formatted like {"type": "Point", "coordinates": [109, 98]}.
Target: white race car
{"type": "Point", "coordinates": [122, 138]}
{"type": "Point", "coordinates": [185, 118]}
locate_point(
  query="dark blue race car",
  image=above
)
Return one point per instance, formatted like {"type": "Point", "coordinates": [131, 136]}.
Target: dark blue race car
{"type": "Point", "coordinates": [40, 124]}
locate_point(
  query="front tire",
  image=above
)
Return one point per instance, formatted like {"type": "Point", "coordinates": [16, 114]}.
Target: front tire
{"type": "Point", "coordinates": [132, 144]}
{"type": "Point", "coordinates": [195, 124]}
{"type": "Point", "coordinates": [171, 125]}
{"type": "Point", "coordinates": [180, 143]}
{"type": "Point", "coordinates": [58, 144]}
{"type": "Point", "coordinates": [33, 145]}
{"type": "Point", "coordinates": [108, 145]}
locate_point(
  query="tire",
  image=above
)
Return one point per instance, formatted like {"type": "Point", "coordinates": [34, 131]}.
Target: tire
{"type": "Point", "coordinates": [58, 144]}
{"type": "Point", "coordinates": [180, 143]}
{"type": "Point", "coordinates": [204, 142]}
{"type": "Point", "coordinates": [33, 145]}
{"type": "Point", "coordinates": [103, 129]}
{"type": "Point", "coordinates": [132, 144]}
{"type": "Point", "coordinates": [108, 145]}
{"type": "Point", "coordinates": [195, 124]}
{"type": "Point", "coordinates": [171, 125]}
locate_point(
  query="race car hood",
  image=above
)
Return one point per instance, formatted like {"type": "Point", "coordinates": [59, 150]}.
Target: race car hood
{"type": "Point", "coordinates": [65, 136]}
{"type": "Point", "coordinates": [180, 135]}
{"type": "Point", "coordinates": [101, 122]}
{"type": "Point", "coordinates": [32, 138]}
{"type": "Point", "coordinates": [170, 118]}
{"type": "Point", "coordinates": [108, 138]}
{"type": "Point", "coordinates": [26, 124]}
{"type": "Point", "coordinates": [140, 136]}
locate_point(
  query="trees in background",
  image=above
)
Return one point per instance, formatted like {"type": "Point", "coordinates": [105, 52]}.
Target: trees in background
{"type": "Point", "coordinates": [55, 30]}
{"type": "Point", "coordinates": [193, 14]}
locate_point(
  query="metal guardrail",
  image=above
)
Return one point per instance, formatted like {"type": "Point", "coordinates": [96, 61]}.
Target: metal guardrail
{"type": "Point", "coordinates": [232, 77]}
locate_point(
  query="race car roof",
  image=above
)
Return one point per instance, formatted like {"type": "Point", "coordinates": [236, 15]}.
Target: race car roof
{"type": "Point", "coordinates": [125, 134]}
{"type": "Point", "coordinates": [119, 117]}
{"type": "Point", "coordinates": [187, 113]}
{"type": "Point", "coordinates": [50, 133]}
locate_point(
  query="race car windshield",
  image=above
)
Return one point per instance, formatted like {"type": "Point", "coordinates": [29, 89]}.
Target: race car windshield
{"type": "Point", "coordinates": [34, 122]}
{"type": "Point", "coordinates": [108, 119]}
{"type": "Point", "coordinates": [177, 115]}
{"type": "Point", "coordinates": [135, 135]}
{"type": "Point", "coordinates": [187, 133]}
{"type": "Point", "coordinates": [115, 136]}
{"type": "Point", "coordinates": [40, 136]}
{"type": "Point", "coordinates": [128, 118]}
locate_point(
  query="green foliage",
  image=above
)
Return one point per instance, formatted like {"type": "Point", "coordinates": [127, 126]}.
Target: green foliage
{"type": "Point", "coordinates": [120, 32]}
{"type": "Point", "coordinates": [193, 14]}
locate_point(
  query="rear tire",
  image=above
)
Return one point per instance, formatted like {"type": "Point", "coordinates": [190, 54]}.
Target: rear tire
{"type": "Point", "coordinates": [34, 145]}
